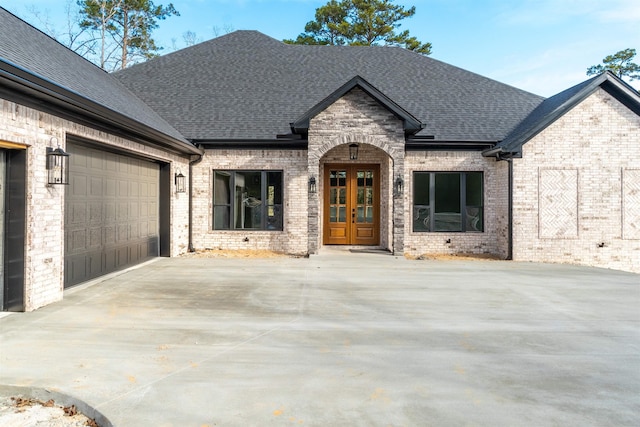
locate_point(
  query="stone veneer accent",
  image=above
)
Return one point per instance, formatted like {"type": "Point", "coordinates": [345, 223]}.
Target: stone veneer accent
{"type": "Point", "coordinates": [44, 264]}
{"type": "Point", "coordinates": [358, 118]}
{"type": "Point", "coordinates": [595, 150]}
{"type": "Point", "coordinates": [291, 240]}
{"type": "Point", "coordinates": [494, 239]}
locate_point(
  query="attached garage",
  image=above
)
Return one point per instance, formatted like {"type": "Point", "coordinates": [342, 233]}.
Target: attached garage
{"type": "Point", "coordinates": [112, 212]}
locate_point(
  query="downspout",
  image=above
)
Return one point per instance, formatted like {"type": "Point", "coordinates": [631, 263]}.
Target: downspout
{"type": "Point", "coordinates": [192, 162]}
{"type": "Point", "coordinates": [508, 157]}
{"type": "Point", "coordinates": [510, 209]}
{"type": "Point", "coordinates": [500, 154]}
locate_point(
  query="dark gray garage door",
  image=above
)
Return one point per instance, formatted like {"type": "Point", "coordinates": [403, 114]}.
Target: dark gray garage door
{"type": "Point", "coordinates": [111, 213]}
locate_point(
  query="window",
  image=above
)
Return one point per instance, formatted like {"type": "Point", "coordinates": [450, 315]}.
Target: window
{"type": "Point", "coordinates": [247, 200]}
{"type": "Point", "coordinates": [448, 201]}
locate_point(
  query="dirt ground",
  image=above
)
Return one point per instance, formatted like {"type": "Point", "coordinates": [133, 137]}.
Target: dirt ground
{"type": "Point", "coordinates": [18, 411]}
{"type": "Point", "coordinates": [453, 257]}
{"type": "Point", "coordinates": [261, 253]}
{"type": "Point", "coordinates": [239, 253]}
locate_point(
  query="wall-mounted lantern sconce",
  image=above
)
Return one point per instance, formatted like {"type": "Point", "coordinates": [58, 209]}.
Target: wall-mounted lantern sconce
{"type": "Point", "coordinates": [181, 183]}
{"type": "Point", "coordinates": [353, 152]}
{"type": "Point", "coordinates": [57, 166]}
{"type": "Point", "coordinates": [399, 184]}
{"type": "Point", "coordinates": [312, 185]}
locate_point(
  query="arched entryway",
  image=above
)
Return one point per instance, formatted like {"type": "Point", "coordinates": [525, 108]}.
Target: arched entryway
{"type": "Point", "coordinates": [355, 203]}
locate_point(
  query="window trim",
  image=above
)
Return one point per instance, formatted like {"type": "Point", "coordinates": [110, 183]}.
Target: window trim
{"type": "Point", "coordinates": [263, 194]}
{"type": "Point", "coordinates": [463, 201]}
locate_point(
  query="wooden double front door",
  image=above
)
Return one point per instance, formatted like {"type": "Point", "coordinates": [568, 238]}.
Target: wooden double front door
{"type": "Point", "coordinates": [352, 205]}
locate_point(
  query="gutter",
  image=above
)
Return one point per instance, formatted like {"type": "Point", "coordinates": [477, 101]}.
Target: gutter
{"type": "Point", "coordinates": [430, 143]}
{"type": "Point", "coordinates": [257, 144]}
{"type": "Point", "coordinates": [494, 152]}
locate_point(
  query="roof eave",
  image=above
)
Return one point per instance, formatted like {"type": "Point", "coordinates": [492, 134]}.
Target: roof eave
{"type": "Point", "coordinates": [604, 79]}
{"type": "Point", "coordinates": [21, 80]}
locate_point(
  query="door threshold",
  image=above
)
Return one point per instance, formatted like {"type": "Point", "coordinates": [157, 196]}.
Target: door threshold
{"type": "Point", "coordinates": [356, 249]}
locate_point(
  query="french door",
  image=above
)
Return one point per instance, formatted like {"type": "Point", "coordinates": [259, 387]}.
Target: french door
{"type": "Point", "coordinates": [352, 205]}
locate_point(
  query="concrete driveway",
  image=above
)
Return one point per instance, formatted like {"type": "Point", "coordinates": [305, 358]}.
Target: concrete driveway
{"type": "Point", "coordinates": [340, 339]}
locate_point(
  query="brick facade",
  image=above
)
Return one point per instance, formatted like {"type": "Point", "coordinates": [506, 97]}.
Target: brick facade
{"type": "Point", "coordinates": [292, 239]}
{"type": "Point", "coordinates": [576, 188]}
{"type": "Point", "coordinates": [354, 118]}
{"type": "Point", "coordinates": [44, 262]}
{"type": "Point", "coordinates": [494, 239]}
{"type": "Point", "coordinates": [358, 118]}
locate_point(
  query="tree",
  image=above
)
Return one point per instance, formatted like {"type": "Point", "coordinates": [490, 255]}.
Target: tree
{"type": "Point", "coordinates": [126, 23]}
{"type": "Point", "coordinates": [97, 15]}
{"type": "Point", "coordinates": [360, 23]}
{"type": "Point", "coordinates": [619, 63]}
{"type": "Point", "coordinates": [72, 36]}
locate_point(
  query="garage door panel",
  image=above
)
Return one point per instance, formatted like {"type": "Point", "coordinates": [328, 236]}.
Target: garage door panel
{"type": "Point", "coordinates": [122, 234]}
{"type": "Point", "coordinates": [78, 184]}
{"type": "Point", "coordinates": [109, 259]}
{"type": "Point", "coordinates": [152, 206]}
{"type": "Point", "coordinates": [94, 264]}
{"type": "Point", "coordinates": [153, 225]}
{"type": "Point", "coordinates": [122, 214]}
{"type": "Point", "coordinates": [95, 238]}
{"type": "Point", "coordinates": [75, 267]}
{"type": "Point", "coordinates": [123, 188]}
{"type": "Point", "coordinates": [122, 256]}
{"type": "Point", "coordinates": [95, 212]}
{"type": "Point", "coordinates": [109, 209]}
{"type": "Point", "coordinates": [110, 187]}
{"type": "Point", "coordinates": [134, 230]}
{"type": "Point", "coordinates": [111, 214]}
{"type": "Point", "coordinates": [96, 159]}
{"type": "Point", "coordinates": [77, 241]}
{"type": "Point", "coordinates": [134, 210]}
{"type": "Point", "coordinates": [109, 235]}
{"type": "Point", "coordinates": [143, 229]}
{"type": "Point", "coordinates": [96, 186]}
{"type": "Point", "coordinates": [144, 210]}
{"type": "Point", "coordinates": [80, 160]}
{"type": "Point", "coordinates": [77, 213]}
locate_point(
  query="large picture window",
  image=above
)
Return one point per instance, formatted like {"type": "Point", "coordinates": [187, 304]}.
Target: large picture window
{"type": "Point", "coordinates": [448, 201]}
{"type": "Point", "coordinates": [247, 200]}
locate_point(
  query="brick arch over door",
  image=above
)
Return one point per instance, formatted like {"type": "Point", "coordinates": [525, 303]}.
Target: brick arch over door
{"type": "Point", "coordinates": [386, 145]}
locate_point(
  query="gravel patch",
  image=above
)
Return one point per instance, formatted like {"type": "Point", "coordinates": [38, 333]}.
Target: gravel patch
{"type": "Point", "coordinates": [20, 411]}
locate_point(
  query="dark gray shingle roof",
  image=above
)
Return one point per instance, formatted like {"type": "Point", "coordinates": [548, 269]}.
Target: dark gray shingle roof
{"type": "Point", "coordinates": [40, 56]}
{"type": "Point", "coordinates": [555, 107]}
{"type": "Point", "coordinates": [246, 85]}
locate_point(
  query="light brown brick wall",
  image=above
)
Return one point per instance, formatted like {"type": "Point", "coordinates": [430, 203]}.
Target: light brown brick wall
{"type": "Point", "coordinates": [358, 118]}
{"type": "Point", "coordinates": [44, 264]}
{"type": "Point", "coordinates": [494, 238]}
{"type": "Point", "coordinates": [576, 188]}
{"type": "Point", "coordinates": [292, 239]}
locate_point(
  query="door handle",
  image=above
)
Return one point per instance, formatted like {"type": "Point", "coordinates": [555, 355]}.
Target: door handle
{"type": "Point", "coordinates": [353, 216]}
